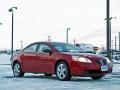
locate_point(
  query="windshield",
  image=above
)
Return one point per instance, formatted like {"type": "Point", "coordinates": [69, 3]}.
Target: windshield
{"type": "Point", "coordinates": [65, 47]}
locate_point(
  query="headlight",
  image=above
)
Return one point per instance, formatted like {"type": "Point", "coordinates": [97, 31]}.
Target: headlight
{"type": "Point", "coordinates": [108, 61]}
{"type": "Point", "coordinates": [81, 59]}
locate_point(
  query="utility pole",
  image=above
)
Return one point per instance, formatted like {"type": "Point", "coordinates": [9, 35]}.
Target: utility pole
{"type": "Point", "coordinates": [119, 41]}
{"type": "Point", "coordinates": [108, 31]}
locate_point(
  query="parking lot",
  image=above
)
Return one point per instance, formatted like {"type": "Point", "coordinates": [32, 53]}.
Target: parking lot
{"type": "Point", "coordinates": [41, 82]}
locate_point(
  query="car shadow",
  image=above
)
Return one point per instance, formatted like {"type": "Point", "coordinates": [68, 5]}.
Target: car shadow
{"type": "Point", "coordinates": [88, 79]}
{"type": "Point", "coordinates": [33, 76]}
{"type": "Point", "coordinates": [73, 79]}
{"type": "Point", "coordinates": [41, 77]}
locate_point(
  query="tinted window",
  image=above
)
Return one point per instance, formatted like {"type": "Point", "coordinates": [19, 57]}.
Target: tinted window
{"type": "Point", "coordinates": [31, 48]}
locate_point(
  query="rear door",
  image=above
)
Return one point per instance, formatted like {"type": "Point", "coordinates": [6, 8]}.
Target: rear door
{"type": "Point", "coordinates": [28, 58]}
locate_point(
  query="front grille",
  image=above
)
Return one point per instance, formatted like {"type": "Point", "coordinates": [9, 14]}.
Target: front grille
{"type": "Point", "coordinates": [95, 71]}
{"type": "Point", "coordinates": [101, 62]}
{"type": "Point", "coordinates": [98, 71]}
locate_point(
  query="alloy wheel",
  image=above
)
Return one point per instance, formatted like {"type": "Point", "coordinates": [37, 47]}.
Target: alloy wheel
{"type": "Point", "coordinates": [62, 71]}
{"type": "Point", "coordinates": [17, 70]}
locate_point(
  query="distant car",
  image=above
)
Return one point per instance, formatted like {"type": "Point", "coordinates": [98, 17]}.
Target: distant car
{"type": "Point", "coordinates": [116, 55]}
{"type": "Point", "coordinates": [63, 59]}
{"type": "Point", "coordinates": [102, 53]}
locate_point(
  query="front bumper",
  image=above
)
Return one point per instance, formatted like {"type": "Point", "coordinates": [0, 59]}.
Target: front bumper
{"type": "Point", "coordinates": [94, 73]}
{"type": "Point", "coordinates": [89, 70]}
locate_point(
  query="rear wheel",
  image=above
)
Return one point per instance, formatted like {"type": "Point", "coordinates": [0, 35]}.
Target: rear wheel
{"type": "Point", "coordinates": [17, 70]}
{"type": "Point", "coordinates": [96, 78]}
{"type": "Point", "coordinates": [63, 72]}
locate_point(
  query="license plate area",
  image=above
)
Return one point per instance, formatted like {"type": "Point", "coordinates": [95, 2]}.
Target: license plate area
{"type": "Point", "coordinates": [104, 68]}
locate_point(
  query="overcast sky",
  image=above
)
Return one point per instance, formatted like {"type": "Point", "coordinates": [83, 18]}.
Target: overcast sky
{"type": "Point", "coordinates": [35, 20]}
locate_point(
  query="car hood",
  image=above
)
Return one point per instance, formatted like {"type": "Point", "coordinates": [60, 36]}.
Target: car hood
{"type": "Point", "coordinates": [86, 55]}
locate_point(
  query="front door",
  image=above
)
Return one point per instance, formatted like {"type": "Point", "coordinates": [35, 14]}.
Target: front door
{"type": "Point", "coordinates": [44, 63]}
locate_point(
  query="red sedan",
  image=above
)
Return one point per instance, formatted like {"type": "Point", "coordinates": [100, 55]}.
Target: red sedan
{"type": "Point", "coordinates": [63, 59]}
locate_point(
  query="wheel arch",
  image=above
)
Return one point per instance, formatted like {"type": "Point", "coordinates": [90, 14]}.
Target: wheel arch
{"type": "Point", "coordinates": [15, 61]}
{"type": "Point", "coordinates": [58, 61]}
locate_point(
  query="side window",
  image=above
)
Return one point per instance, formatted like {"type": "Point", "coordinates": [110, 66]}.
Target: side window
{"type": "Point", "coordinates": [31, 48]}
{"type": "Point", "coordinates": [69, 49]}
{"type": "Point", "coordinates": [42, 48]}
{"type": "Point", "coordinates": [59, 48]}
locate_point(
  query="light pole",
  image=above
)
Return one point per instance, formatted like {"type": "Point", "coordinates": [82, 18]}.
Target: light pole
{"type": "Point", "coordinates": [119, 41]}
{"type": "Point", "coordinates": [12, 11]}
{"type": "Point", "coordinates": [74, 41]}
{"type": "Point", "coordinates": [108, 31]}
{"type": "Point", "coordinates": [67, 35]}
{"type": "Point", "coordinates": [112, 45]}
{"type": "Point", "coordinates": [49, 38]}
{"type": "Point", "coordinates": [115, 42]}
{"type": "Point", "coordinates": [21, 44]}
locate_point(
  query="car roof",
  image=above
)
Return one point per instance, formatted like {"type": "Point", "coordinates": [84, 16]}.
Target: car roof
{"type": "Point", "coordinates": [47, 42]}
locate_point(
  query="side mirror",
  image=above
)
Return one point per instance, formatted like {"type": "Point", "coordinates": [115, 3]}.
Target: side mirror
{"type": "Point", "coordinates": [47, 51]}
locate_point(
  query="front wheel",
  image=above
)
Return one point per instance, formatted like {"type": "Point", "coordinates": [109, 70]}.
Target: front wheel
{"type": "Point", "coordinates": [63, 72]}
{"type": "Point", "coordinates": [17, 70]}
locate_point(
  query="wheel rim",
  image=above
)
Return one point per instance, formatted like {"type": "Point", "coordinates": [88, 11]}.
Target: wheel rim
{"type": "Point", "coordinates": [16, 69]}
{"type": "Point", "coordinates": [61, 71]}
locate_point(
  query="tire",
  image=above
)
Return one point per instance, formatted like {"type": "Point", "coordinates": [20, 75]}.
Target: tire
{"type": "Point", "coordinates": [17, 70]}
{"type": "Point", "coordinates": [97, 78]}
{"type": "Point", "coordinates": [48, 74]}
{"type": "Point", "coordinates": [62, 71]}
